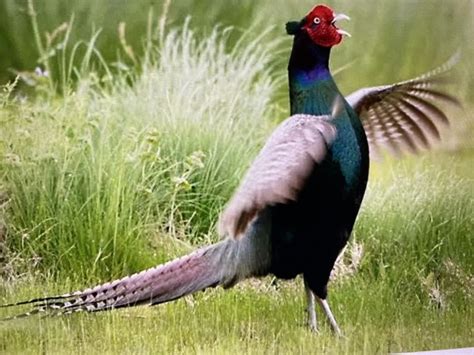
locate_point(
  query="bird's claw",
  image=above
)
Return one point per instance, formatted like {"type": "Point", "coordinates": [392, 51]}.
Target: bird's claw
{"type": "Point", "coordinates": [313, 328]}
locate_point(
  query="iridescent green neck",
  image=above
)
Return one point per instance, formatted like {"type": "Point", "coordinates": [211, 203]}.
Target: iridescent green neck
{"type": "Point", "coordinates": [315, 98]}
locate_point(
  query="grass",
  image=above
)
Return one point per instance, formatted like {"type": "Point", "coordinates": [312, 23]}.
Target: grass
{"type": "Point", "coordinates": [123, 161]}
{"type": "Point", "coordinates": [110, 167]}
{"type": "Point", "coordinates": [248, 320]}
{"type": "Point", "coordinates": [412, 290]}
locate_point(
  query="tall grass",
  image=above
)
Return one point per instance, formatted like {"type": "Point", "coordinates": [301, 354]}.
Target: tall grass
{"type": "Point", "coordinates": [416, 225]}
{"type": "Point", "coordinates": [96, 176]}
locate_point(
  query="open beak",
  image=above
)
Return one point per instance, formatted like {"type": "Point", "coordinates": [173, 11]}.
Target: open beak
{"type": "Point", "coordinates": [341, 17]}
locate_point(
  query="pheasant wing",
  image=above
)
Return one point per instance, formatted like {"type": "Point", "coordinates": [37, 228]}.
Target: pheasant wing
{"type": "Point", "coordinates": [404, 116]}
{"type": "Point", "coordinates": [280, 170]}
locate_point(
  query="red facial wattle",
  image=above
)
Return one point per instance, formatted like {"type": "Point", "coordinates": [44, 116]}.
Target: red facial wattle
{"type": "Point", "coordinates": [320, 26]}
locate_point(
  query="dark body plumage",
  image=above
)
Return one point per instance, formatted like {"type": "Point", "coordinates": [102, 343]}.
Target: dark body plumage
{"type": "Point", "coordinates": [308, 234]}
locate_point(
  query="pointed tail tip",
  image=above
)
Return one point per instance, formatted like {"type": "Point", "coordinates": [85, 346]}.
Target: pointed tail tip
{"type": "Point", "coordinates": [22, 315]}
{"type": "Point", "coordinates": [166, 282]}
{"type": "Point", "coordinates": [455, 57]}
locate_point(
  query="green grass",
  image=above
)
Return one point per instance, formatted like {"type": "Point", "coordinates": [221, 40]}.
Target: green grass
{"type": "Point", "coordinates": [109, 167]}
{"type": "Point", "coordinates": [122, 162]}
{"type": "Point", "coordinates": [374, 319]}
{"type": "Point", "coordinates": [411, 291]}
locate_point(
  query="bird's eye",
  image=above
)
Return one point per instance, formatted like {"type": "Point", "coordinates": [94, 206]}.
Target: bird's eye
{"type": "Point", "coordinates": [317, 20]}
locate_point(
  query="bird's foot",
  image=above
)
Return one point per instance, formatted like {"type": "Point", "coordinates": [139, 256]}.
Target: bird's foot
{"type": "Point", "coordinates": [332, 321]}
{"type": "Point", "coordinates": [312, 322]}
{"type": "Point", "coordinates": [311, 311]}
{"type": "Point", "coordinates": [337, 332]}
{"type": "Point", "coordinates": [313, 328]}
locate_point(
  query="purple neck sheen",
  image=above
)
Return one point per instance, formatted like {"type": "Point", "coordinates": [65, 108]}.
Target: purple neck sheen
{"type": "Point", "coordinates": [309, 62]}
{"type": "Point", "coordinates": [308, 77]}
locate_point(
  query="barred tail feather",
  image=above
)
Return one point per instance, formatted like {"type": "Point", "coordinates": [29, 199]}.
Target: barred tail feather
{"type": "Point", "coordinates": [194, 272]}
{"type": "Point", "coordinates": [224, 263]}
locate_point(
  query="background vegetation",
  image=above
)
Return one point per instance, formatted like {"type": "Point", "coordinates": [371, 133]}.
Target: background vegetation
{"type": "Point", "coordinates": [392, 40]}
{"type": "Point", "coordinates": [122, 137]}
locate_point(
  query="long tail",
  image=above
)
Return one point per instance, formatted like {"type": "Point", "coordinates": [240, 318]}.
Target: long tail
{"type": "Point", "coordinates": [201, 269]}
{"type": "Point", "coordinates": [224, 263]}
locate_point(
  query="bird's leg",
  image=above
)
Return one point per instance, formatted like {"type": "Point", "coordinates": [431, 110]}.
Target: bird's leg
{"type": "Point", "coordinates": [312, 322]}
{"type": "Point", "coordinates": [327, 310]}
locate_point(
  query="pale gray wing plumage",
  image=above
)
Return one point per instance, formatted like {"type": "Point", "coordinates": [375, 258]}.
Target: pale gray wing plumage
{"type": "Point", "coordinates": [404, 116]}
{"type": "Point", "coordinates": [280, 170]}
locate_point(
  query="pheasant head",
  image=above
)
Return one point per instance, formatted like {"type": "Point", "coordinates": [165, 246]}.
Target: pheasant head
{"type": "Point", "coordinates": [320, 26]}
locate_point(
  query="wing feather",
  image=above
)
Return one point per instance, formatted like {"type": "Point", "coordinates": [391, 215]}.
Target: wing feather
{"type": "Point", "coordinates": [405, 116]}
{"type": "Point", "coordinates": [409, 123]}
{"type": "Point", "coordinates": [280, 171]}
{"type": "Point", "coordinates": [404, 136]}
{"type": "Point", "coordinates": [425, 122]}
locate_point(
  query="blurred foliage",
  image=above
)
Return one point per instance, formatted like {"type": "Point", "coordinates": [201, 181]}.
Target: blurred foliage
{"type": "Point", "coordinates": [391, 41]}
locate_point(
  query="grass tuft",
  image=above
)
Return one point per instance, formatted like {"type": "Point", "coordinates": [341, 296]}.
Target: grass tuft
{"type": "Point", "coordinates": [95, 176]}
